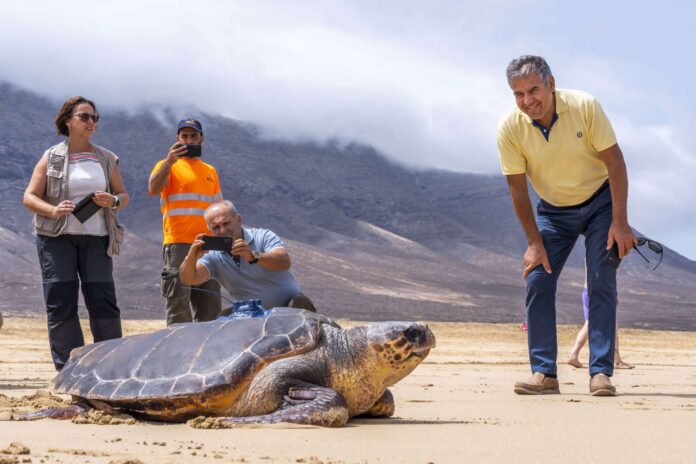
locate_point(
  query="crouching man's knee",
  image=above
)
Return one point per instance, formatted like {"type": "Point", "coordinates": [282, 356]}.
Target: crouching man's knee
{"type": "Point", "coordinates": [301, 301]}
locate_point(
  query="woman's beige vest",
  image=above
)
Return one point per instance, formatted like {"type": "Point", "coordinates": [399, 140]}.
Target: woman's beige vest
{"type": "Point", "coordinates": [57, 189]}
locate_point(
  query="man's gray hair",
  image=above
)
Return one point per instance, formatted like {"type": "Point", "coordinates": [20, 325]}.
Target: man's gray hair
{"type": "Point", "coordinates": [220, 204]}
{"type": "Point", "coordinates": [527, 64]}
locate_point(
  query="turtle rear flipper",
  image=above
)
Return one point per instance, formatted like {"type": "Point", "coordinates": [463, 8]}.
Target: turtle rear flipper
{"type": "Point", "coordinates": [67, 412]}
{"type": "Point", "coordinates": [320, 406]}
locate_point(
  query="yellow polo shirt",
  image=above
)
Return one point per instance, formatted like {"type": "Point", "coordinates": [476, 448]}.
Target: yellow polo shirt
{"type": "Point", "coordinates": [567, 169]}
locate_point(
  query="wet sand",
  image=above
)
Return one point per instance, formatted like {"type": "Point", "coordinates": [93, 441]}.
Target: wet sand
{"type": "Point", "coordinates": [458, 406]}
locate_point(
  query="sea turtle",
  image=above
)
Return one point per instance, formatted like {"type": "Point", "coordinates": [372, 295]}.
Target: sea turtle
{"type": "Point", "coordinates": [290, 365]}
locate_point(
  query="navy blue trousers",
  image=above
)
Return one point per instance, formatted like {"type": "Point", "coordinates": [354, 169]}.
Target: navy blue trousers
{"type": "Point", "coordinates": [560, 229]}
{"type": "Point", "coordinates": [66, 262]}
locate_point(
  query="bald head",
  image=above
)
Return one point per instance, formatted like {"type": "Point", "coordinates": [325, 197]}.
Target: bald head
{"type": "Point", "coordinates": [223, 219]}
{"type": "Point", "coordinates": [226, 205]}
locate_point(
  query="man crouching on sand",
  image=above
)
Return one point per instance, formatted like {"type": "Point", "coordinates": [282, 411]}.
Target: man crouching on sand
{"type": "Point", "coordinates": [564, 143]}
{"type": "Point", "coordinates": [256, 266]}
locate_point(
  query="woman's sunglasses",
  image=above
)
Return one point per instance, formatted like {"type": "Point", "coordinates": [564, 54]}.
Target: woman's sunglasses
{"type": "Point", "coordinates": [653, 245]}
{"type": "Point", "coordinates": [84, 117]}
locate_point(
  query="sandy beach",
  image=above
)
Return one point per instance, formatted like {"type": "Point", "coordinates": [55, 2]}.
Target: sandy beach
{"type": "Point", "coordinates": [457, 407]}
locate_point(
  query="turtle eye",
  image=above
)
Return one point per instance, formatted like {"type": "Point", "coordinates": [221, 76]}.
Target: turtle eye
{"type": "Point", "coordinates": [413, 335]}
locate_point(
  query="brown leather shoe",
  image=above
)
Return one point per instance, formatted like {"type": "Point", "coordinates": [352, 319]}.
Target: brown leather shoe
{"type": "Point", "coordinates": [600, 385]}
{"type": "Point", "coordinates": [538, 384]}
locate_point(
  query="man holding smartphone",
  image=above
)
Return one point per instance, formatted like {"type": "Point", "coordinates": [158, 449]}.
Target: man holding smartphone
{"type": "Point", "coordinates": [187, 186]}
{"type": "Point", "coordinates": [254, 265]}
{"type": "Point", "coordinates": [563, 143]}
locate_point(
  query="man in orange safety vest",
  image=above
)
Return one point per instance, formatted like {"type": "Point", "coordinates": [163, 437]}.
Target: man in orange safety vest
{"type": "Point", "coordinates": [187, 186]}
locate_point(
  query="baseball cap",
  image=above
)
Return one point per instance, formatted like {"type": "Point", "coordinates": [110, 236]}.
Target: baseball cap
{"type": "Point", "coordinates": [189, 122]}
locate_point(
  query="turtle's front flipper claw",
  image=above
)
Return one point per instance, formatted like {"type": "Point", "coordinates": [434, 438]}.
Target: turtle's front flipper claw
{"type": "Point", "coordinates": [310, 406]}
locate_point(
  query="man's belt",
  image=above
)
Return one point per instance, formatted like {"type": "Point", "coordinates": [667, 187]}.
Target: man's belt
{"type": "Point", "coordinates": [597, 192]}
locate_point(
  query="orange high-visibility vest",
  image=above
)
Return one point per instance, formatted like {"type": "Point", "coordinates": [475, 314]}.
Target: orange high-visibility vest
{"type": "Point", "coordinates": [193, 186]}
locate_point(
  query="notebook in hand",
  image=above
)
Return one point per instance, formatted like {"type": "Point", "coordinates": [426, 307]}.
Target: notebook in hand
{"type": "Point", "coordinates": [85, 208]}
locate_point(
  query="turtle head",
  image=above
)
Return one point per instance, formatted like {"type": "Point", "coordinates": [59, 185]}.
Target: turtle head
{"type": "Point", "coordinates": [401, 346]}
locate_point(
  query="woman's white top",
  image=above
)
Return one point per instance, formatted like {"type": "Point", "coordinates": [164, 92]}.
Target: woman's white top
{"type": "Point", "coordinates": [85, 175]}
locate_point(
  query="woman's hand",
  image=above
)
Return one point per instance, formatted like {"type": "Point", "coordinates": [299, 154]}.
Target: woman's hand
{"type": "Point", "coordinates": [63, 208]}
{"type": "Point", "coordinates": [104, 199]}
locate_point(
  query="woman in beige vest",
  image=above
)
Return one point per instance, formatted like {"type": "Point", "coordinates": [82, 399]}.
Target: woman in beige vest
{"type": "Point", "coordinates": [75, 246]}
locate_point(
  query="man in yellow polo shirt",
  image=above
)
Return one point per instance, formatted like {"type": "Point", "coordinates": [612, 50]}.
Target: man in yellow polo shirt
{"type": "Point", "coordinates": [562, 141]}
{"type": "Point", "coordinates": [187, 186]}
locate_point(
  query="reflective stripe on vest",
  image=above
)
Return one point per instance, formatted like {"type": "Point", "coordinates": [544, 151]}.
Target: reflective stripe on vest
{"type": "Point", "coordinates": [195, 196]}
{"type": "Point", "coordinates": [186, 212]}
{"type": "Point", "coordinates": [191, 197]}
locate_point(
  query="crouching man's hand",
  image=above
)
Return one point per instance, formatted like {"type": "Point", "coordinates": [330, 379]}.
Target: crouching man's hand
{"type": "Point", "coordinates": [191, 272]}
{"type": "Point", "coordinates": [196, 251]}
{"type": "Point", "coordinates": [242, 249]}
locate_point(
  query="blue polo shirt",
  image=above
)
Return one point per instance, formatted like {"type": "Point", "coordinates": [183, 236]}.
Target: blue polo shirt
{"type": "Point", "coordinates": [246, 281]}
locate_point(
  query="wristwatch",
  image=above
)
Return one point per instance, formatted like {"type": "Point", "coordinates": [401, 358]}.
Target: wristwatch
{"type": "Point", "coordinates": [256, 256]}
{"type": "Point", "coordinates": [117, 202]}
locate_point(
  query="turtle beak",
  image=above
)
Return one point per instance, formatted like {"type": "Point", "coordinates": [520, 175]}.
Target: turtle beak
{"type": "Point", "coordinates": [419, 353]}
{"type": "Point", "coordinates": [429, 341]}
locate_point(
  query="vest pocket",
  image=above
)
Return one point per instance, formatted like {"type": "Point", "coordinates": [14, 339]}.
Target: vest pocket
{"type": "Point", "coordinates": [54, 174]}
{"type": "Point", "coordinates": [54, 180]}
{"type": "Point", "coordinates": [116, 232]}
{"type": "Point", "coordinates": [47, 225]}
{"type": "Point", "coordinates": [119, 233]}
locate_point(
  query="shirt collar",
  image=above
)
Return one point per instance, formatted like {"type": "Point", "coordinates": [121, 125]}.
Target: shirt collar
{"type": "Point", "coordinates": [248, 236]}
{"type": "Point", "coordinates": [541, 126]}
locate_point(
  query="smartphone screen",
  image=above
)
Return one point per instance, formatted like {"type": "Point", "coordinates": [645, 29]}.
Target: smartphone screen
{"type": "Point", "coordinates": [193, 150]}
{"type": "Point", "coordinates": [217, 243]}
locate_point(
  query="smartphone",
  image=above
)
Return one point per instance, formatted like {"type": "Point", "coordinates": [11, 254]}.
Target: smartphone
{"type": "Point", "coordinates": [613, 256]}
{"type": "Point", "coordinates": [192, 150]}
{"type": "Point", "coordinates": [217, 243]}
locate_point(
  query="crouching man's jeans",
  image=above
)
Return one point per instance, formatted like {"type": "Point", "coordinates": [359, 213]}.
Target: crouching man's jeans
{"type": "Point", "coordinates": [560, 228]}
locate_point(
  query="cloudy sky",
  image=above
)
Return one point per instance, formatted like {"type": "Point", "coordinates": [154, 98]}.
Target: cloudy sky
{"type": "Point", "coordinates": [421, 81]}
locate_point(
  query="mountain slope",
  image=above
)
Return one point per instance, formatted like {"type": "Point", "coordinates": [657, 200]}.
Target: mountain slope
{"type": "Point", "coordinates": [370, 239]}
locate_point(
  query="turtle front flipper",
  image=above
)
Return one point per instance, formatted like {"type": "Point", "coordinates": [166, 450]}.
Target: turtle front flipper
{"type": "Point", "coordinates": [383, 407]}
{"type": "Point", "coordinates": [310, 406]}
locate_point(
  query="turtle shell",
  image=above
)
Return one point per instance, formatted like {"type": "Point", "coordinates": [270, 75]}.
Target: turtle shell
{"type": "Point", "coordinates": [187, 366]}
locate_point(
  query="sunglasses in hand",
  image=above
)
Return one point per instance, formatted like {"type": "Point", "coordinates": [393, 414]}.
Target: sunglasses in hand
{"type": "Point", "coordinates": [653, 245]}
